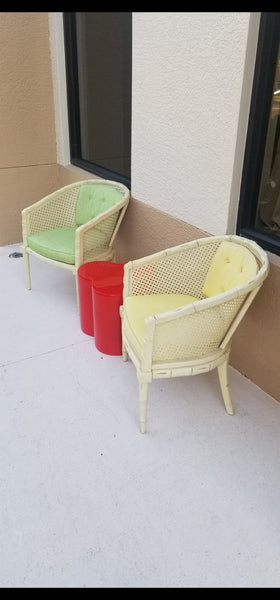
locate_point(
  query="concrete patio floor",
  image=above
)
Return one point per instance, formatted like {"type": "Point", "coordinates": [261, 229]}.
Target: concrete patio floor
{"type": "Point", "coordinates": [87, 501]}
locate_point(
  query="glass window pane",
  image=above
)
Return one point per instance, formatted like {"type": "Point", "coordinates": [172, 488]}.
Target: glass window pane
{"type": "Point", "coordinates": [268, 208]}
{"type": "Point", "coordinates": [104, 76]}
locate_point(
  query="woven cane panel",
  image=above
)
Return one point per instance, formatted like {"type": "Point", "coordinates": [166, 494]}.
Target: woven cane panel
{"type": "Point", "coordinates": [58, 211]}
{"type": "Point", "coordinates": [93, 238]}
{"type": "Point", "coordinates": [98, 237]}
{"type": "Point", "coordinates": [183, 272]}
{"type": "Point", "coordinates": [194, 335]}
{"type": "Point", "coordinates": [100, 234]}
{"type": "Point", "coordinates": [94, 253]}
{"type": "Point", "coordinates": [108, 225]}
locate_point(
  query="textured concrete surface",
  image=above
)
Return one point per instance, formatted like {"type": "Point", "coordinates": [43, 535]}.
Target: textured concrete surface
{"type": "Point", "coordinates": [86, 499]}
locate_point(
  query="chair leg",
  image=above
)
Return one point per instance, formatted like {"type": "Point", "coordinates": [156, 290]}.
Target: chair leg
{"type": "Point", "coordinates": [223, 378]}
{"type": "Point", "coordinates": [124, 350]}
{"type": "Point", "coordinates": [26, 267]}
{"type": "Point", "coordinates": [77, 292]}
{"type": "Point", "coordinates": [143, 393]}
{"type": "Point", "coordinates": [124, 353]}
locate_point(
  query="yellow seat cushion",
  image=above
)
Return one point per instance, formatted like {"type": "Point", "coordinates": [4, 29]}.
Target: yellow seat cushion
{"type": "Point", "coordinates": [138, 308]}
{"type": "Point", "coordinates": [231, 266]}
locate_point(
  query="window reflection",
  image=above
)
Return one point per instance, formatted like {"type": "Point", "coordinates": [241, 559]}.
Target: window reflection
{"type": "Point", "coordinates": [268, 211]}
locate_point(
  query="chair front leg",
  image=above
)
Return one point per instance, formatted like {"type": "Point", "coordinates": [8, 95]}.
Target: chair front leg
{"type": "Point", "coordinates": [77, 291]}
{"type": "Point", "coordinates": [26, 267]}
{"type": "Point", "coordinates": [143, 397]}
{"type": "Point", "coordinates": [124, 353]}
{"type": "Point", "coordinates": [223, 378]}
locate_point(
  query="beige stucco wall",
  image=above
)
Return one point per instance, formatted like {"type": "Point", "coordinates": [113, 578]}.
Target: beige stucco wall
{"type": "Point", "coordinates": [187, 84]}
{"type": "Point", "coordinates": [191, 94]}
{"type": "Point", "coordinates": [28, 166]}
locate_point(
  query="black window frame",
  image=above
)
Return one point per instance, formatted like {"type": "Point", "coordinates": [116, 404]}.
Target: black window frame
{"type": "Point", "coordinates": [266, 57]}
{"type": "Point", "coordinates": [72, 83]}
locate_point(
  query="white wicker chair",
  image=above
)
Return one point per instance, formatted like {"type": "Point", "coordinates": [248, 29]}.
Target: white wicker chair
{"type": "Point", "coordinates": [74, 225]}
{"type": "Point", "coordinates": [181, 307]}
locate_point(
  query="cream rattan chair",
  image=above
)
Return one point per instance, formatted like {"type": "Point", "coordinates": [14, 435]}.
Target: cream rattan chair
{"type": "Point", "coordinates": [181, 307]}
{"type": "Point", "coordinates": [74, 225]}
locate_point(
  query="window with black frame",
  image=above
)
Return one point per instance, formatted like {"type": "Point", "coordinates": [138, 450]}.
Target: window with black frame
{"type": "Point", "coordinates": [259, 210]}
{"type": "Point", "coordinates": [98, 55]}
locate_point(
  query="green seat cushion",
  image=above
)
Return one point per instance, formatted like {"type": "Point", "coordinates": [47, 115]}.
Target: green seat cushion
{"type": "Point", "coordinates": [94, 199]}
{"type": "Point", "coordinates": [138, 308]}
{"type": "Point", "coordinates": [57, 244]}
{"type": "Point", "coordinates": [231, 266]}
